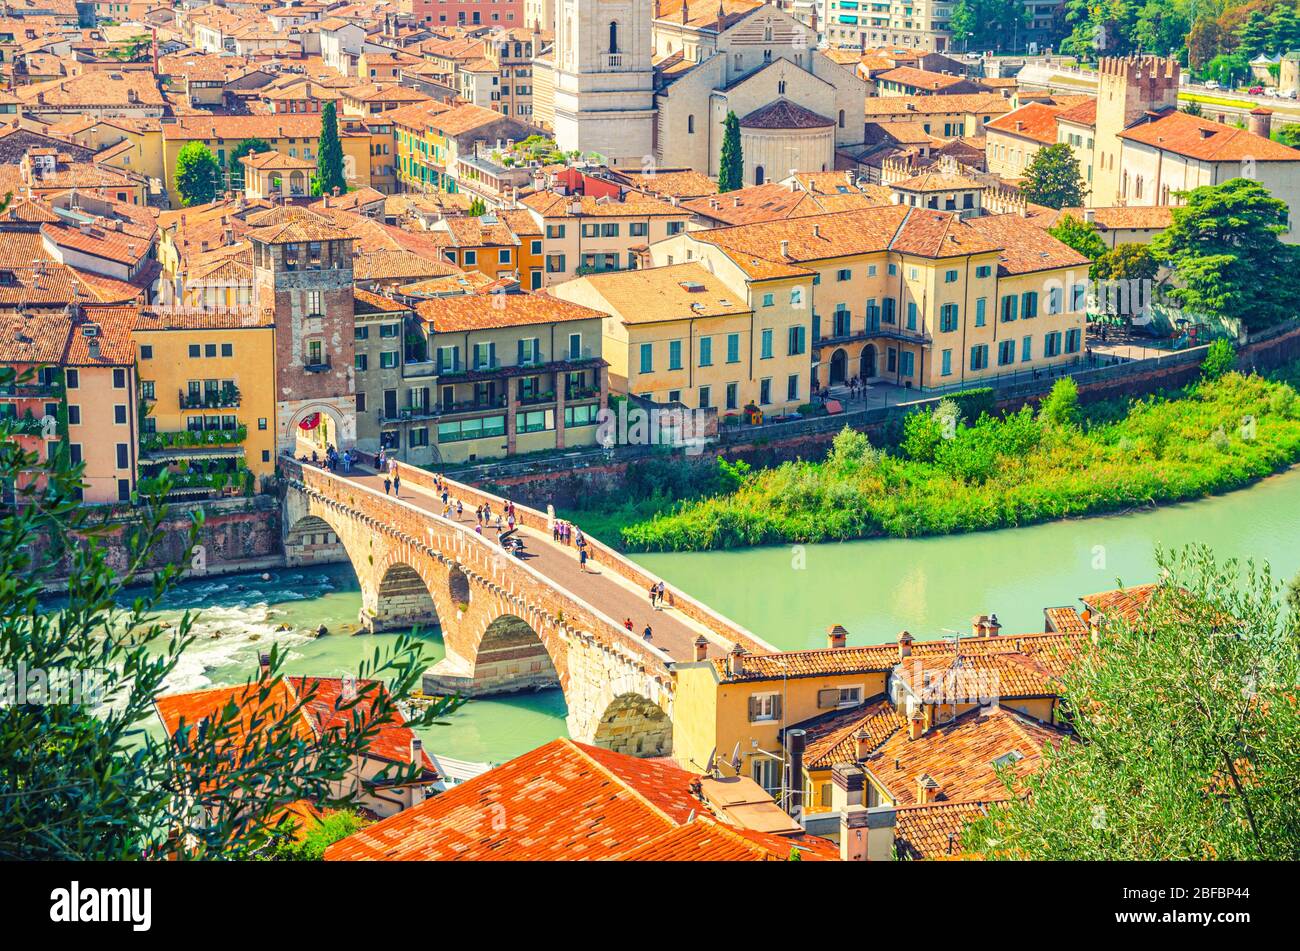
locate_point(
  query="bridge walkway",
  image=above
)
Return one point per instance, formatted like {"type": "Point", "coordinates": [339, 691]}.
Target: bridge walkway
{"type": "Point", "coordinates": [609, 593]}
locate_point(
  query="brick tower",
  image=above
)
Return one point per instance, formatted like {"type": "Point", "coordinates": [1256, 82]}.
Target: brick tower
{"type": "Point", "coordinates": [1128, 88]}
{"type": "Point", "coordinates": [302, 272]}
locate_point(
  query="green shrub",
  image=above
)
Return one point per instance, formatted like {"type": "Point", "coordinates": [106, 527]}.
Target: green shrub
{"type": "Point", "coordinates": [1219, 359]}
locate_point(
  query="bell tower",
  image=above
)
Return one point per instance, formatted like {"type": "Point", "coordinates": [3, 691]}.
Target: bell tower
{"type": "Point", "coordinates": [604, 83]}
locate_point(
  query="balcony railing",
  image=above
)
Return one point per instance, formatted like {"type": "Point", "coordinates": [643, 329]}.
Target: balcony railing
{"type": "Point", "coordinates": [226, 399]}
{"type": "Point", "coordinates": [614, 61]}
{"type": "Point", "coordinates": [193, 439]}
{"type": "Point", "coordinates": [321, 367]}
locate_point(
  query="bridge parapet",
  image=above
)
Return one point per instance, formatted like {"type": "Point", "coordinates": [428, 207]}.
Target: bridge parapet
{"type": "Point", "coordinates": [721, 630]}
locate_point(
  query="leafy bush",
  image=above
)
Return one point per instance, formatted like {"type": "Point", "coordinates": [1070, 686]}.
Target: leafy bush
{"type": "Point", "coordinates": [1219, 358]}
{"type": "Point", "coordinates": [999, 472]}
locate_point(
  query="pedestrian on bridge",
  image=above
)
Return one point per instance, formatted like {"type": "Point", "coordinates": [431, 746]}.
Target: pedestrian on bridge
{"type": "Point", "coordinates": [654, 590]}
{"type": "Point", "coordinates": [582, 559]}
{"type": "Point", "coordinates": [659, 591]}
{"type": "Point", "coordinates": [397, 485]}
{"type": "Point", "coordinates": [388, 485]}
{"type": "Point", "coordinates": [649, 634]}
{"type": "Point", "coordinates": [627, 623]}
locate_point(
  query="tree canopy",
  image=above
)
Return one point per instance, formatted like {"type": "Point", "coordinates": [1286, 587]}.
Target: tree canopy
{"type": "Point", "coordinates": [1080, 235]}
{"type": "Point", "coordinates": [1053, 178]}
{"type": "Point", "coordinates": [1187, 728]}
{"type": "Point", "coordinates": [1228, 259]}
{"type": "Point", "coordinates": [198, 176]}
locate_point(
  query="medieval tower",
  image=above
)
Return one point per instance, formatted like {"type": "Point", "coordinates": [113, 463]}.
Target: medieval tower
{"type": "Point", "coordinates": [1128, 89]}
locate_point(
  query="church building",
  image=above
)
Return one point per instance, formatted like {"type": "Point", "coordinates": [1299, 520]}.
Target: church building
{"type": "Point", "coordinates": [649, 83]}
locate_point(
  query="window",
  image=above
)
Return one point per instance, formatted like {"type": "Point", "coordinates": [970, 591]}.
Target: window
{"type": "Point", "coordinates": [1009, 308]}
{"type": "Point", "coordinates": [638, 229]}
{"type": "Point", "coordinates": [503, 257]}
{"type": "Point", "coordinates": [74, 415]}
{"type": "Point", "coordinates": [555, 231]}
{"type": "Point", "coordinates": [419, 437]}
{"type": "Point", "coordinates": [535, 421]}
{"type": "Point", "coordinates": [798, 342]}
{"type": "Point", "coordinates": [946, 363]}
{"type": "Point", "coordinates": [764, 706]}
{"type": "Point", "coordinates": [1026, 349]}
{"type": "Point", "coordinates": [581, 415]}
{"type": "Point", "coordinates": [209, 349]}
{"type": "Point", "coordinates": [706, 351]}
{"type": "Point", "coordinates": [705, 397]}
{"type": "Point", "coordinates": [529, 350]}
{"type": "Point", "coordinates": [674, 354]}
{"type": "Point", "coordinates": [647, 358]}
{"type": "Point", "coordinates": [146, 392]}
{"type": "Point", "coordinates": [768, 300]}
{"type": "Point", "coordinates": [850, 697]}
{"type": "Point", "coordinates": [948, 318]}
{"type": "Point", "coordinates": [361, 362]}
{"type": "Point", "coordinates": [119, 414]}
{"type": "Point", "coordinates": [1006, 352]}
{"type": "Point", "coordinates": [908, 363]}
{"type": "Point", "coordinates": [361, 333]}
{"type": "Point", "coordinates": [980, 307]}
{"type": "Point", "coordinates": [555, 264]}
{"type": "Point", "coordinates": [911, 315]}
{"type": "Point", "coordinates": [844, 274]}
{"type": "Point", "coordinates": [733, 395]}
{"type": "Point", "coordinates": [1054, 295]}
{"type": "Point", "coordinates": [676, 227]}
{"type": "Point", "coordinates": [74, 452]}
{"type": "Point", "coordinates": [1028, 305]}
{"type": "Point", "coordinates": [765, 346]}
{"type": "Point", "coordinates": [984, 270]}
{"type": "Point", "coordinates": [767, 771]}
{"type": "Point", "coordinates": [733, 348]}
{"type": "Point", "coordinates": [227, 349]}
{"type": "Point", "coordinates": [471, 257]}
{"type": "Point", "coordinates": [887, 309]}
{"type": "Point", "coordinates": [388, 359]}
{"type": "Point", "coordinates": [979, 357]}
{"type": "Point", "coordinates": [792, 387]}
{"type": "Point", "coordinates": [1052, 344]}
{"type": "Point", "coordinates": [195, 350]}
{"type": "Point", "coordinates": [146, 352]}
{"type": "Point", "coordinates": [124, 490]}
{"type": "Point", "coordinates": [1078, 296]}
{"type": "Point", "coordinates": [123, 455]}
{"type": "Point", "coordinates": [950, 277]}
{"type": "Point", "coordinates": [1073, 340]}
{"type": "Point", "coordinates": [764, 392]}
{"type": "Point", "coordinates": [796, 297]}
{"type": "Point", "coordinates": [361, 408]}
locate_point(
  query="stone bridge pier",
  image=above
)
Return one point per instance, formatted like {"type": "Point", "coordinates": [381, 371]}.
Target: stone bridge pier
{"type": "Point", "coordinates": [504, 626]}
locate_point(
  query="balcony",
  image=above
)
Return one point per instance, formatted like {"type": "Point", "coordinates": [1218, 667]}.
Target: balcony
{"type": "Point", "coordinates": [408, 414]}
{"type": "Point", "coordinates": [227, 398]}
{"type": "Point", "coordinates": [615, 61]}
{"type": "Point", "coordinates": [323, 367]}
{"type": "Point", "coordinates": [30, 390]}
{"type": "Point", "coordinates": [472, 406]}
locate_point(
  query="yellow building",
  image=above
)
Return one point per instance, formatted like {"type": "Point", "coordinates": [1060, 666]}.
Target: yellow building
{"type": "Point", "coordinates": [297, 136]}
{"type": "Point", "coordinates": [679, 333]}
{"type": "Point", "coordinates": [913, 297]}
{"type": "Point", "coordinates": [209, 376]}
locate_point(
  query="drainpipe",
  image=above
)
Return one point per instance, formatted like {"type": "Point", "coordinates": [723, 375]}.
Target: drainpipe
{"type": "Point", "coordinates": [795, 742]}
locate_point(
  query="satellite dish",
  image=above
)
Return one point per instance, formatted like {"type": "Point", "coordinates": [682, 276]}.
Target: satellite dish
{"type": "Point", "coordinates": [735, 759]}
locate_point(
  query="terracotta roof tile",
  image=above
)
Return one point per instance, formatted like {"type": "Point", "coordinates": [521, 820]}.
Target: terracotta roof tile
{"type": "Point", "coordinates": [784, 114]}
{"type": "Point", "coordinates": [934, 830]}
{"type": "Point", "coordinates": [1206, 140]}
{"type": "Point", "coordinates": [481, 311]}
{"type": "Point", "coordinates": [707, 840]}
{"type": "Point", "coordinates": [1036, 121]}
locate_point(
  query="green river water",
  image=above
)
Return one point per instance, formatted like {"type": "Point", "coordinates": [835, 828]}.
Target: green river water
{"type": "Point", "coordinates": [789, 596]}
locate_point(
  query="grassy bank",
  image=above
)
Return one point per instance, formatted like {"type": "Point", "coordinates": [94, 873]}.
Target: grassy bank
{"type": "Point", "coordinates": [953, 475]}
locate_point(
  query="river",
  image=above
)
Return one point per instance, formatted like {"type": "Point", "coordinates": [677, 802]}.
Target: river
{"type": "Point", "coordinates": [787, 595]}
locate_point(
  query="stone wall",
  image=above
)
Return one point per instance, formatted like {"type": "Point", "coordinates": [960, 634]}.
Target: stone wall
{"type": "Point", "coordinates": [237, 534]}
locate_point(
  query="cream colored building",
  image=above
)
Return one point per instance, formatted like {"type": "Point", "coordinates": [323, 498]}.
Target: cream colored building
{"type": "Point", "coordinates": [681, 333]}
{"type": "Point", "coordinates": [914, 297]}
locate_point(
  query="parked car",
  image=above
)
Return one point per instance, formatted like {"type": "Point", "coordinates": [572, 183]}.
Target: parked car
{"type": "Point", "coordinates": [1256, 90]}
{"type": "Point", "coordinates": [1212, 84]}
{"type": "Point", "coordinates": [1271, 93]}
{"type": "Point", "coordinates": [1289, 94]}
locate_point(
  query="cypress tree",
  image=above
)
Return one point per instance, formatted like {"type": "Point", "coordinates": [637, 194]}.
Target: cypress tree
{"type": "Point", "coordinates": [731, 173]}
{"type": "Point", "coordinates": [329, 155]}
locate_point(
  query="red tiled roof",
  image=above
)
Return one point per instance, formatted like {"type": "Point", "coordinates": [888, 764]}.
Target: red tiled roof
{"type": "Point", "coordinates": [708, 840]}
{"type": "Point", "coordinates": [1036, 121]}
{"type": "Point", "coordinates": [784, 114]}
{"type": "Point", "coordinates": [564, 800]}
{"type": "Point", "coordinates": [1207, 141]}
{"type": "Point", "coordinates": [934, 830]}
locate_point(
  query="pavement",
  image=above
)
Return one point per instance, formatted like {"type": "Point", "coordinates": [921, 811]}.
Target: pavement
{"type": "Point", "coordinates": [608, 592]}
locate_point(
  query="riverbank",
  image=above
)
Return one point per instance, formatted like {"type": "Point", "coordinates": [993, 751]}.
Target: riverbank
{"type": "Point", "coordinates": [965, 476]}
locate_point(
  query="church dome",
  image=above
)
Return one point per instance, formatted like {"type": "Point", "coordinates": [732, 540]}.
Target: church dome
{"type": "Point", "coordinates": [784, 114]}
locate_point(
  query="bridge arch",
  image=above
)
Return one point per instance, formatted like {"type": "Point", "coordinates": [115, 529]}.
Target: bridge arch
{"type": "Point", "coordinates": [636, 725]}
{"type": "Point", "coordinates": [511, 655]}
{"type": "Point", "coordinates": [402, 599]}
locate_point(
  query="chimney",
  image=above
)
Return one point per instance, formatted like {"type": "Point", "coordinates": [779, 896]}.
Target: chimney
{"type": "Point", "coordinates": [992, 628]}
{"type": "Point", "coordinates": [92, 347]}
{"type": "Point", "coordinates": [701, 647]}
{"type": "Point", "coordinates": [848, 786]}
{"type": "Point", "coordinates": [1020, 125]}
{"type": "Point", "coordinates": [785, 249]}
{"type": "Point", "coordinates": [264, 665]}
{"type": "Point", "coordinates": [735, 201]}
{"type": "Point", "coordinates": [1261, 120]}
{"type": "Point", "coordinates": [795, 741]}
{"type": "Point", "coordinates": [1089, 215]}
{"type": "Point", "coordinates": [862, 743]}
{"type": "Point", "coordinates": [417, 750]}
{"type": "Point", "coordinates": [836, 637]}
{"type": "Point", "coordinates": [915, 727]}
{"type": "Point", "coordinates": [904, 645]}
{"type": "Point", "coordinates": [736, 662]}
{"type": "Point", "coordinates": [817, 230]}
{"type": "Point", "coordinates": [927, 790]}
{"type": "Point", "coordinates": [977, 625]}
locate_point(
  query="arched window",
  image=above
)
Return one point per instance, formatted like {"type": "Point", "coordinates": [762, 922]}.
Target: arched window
{"type": "Point", "coordinates": [613, 37]}
{"type": "Point", "coordinates": [780, 87]}
{"type": "Point", "coordinates": [841, 118]}
{"type": "Point", "coordinates": [1137, 187]}
{"type": "Point", "coordinates": [690, 124]}
{"type": "Point", "coordinates": [758, 174]}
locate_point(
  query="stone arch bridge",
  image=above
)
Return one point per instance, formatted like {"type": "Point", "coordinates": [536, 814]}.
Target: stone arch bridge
{"type": "Point", "coordinates": [507, 623]}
